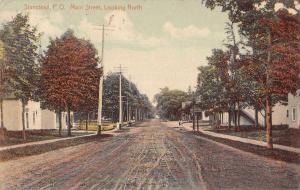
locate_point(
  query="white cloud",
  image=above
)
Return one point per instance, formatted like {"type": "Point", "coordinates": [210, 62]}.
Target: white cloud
{"type": "Point", "coordinates": [166, 66]}
{"type": "Point", "coordinates": [7, 15]}
{"type": "Point", "coordinates": [47, 23]}
{"type": "Point", "coordinates": [279, 6]}
{"type": "Point", "coordinates": [297, 5]}
{"type": "Point", "coordinates": [260, 5]}
{"type": "Point", "coordinates": [123, 31]}
{"type": "Point", "coordinates": [190, 31]}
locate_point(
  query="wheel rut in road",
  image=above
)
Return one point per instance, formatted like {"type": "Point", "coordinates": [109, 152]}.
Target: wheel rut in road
{"type": "Point", "coordinates": [149, 156]}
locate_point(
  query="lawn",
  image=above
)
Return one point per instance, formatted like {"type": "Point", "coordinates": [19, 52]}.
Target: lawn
{"type": "Point", "coordinates": [15, 137]}
{"type": "Point", "coordinates": [92, 126]}
{"type": "Point", "coordinates": [288, 137]}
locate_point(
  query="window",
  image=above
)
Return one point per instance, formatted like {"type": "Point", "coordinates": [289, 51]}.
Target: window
{"type": "Point", "coordinates": [294, 114]}
{"type": "Point", "coordinates": [33, 118]}
{"type": "Point", "coordinates": [287, 113]}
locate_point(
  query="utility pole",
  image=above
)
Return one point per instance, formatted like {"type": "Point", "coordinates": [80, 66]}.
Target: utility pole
{"type": "Point", "coordinates": [100, 99]}
{"type": "Point", "coordinates": [1, 82]}
{"type": "Point", "coordinates": [120, 100]}
{"type": "Point", "coordinates": [127, 110]}
{"type": "Point", "coordinates": [120, 70]}
{"type": "Point", "coordinates": [129, 107]}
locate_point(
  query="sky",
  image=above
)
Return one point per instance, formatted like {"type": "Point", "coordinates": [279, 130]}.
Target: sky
{"type": "Point", "coordinates": [159, 42]}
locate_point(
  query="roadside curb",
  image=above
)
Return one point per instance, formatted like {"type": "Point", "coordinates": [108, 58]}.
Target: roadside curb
{"type": "Point", "coordinates": [244, 140]}
{"type": "Point", "coordinates": [35, 148]}
{"type": "Point", "coordinates": [29, 144]}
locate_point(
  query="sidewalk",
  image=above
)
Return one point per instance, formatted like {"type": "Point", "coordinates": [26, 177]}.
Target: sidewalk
{"type": "Point", "coordinates": [188, 127]}
{"type": "Point", "coordinates": [42, 142]}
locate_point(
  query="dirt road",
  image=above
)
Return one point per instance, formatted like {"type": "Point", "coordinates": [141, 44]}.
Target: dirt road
{"type": "Point", "coordinates": [150, 156]}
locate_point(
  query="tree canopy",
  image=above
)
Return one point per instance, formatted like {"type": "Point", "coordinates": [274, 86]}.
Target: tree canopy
{"type": "Point", "coordinates": [70, 77]}
{"type": "Point", "coordinates": [169, 103]}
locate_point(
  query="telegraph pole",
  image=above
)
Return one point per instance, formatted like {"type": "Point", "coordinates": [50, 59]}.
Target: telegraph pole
{"type": "Point", "coordinates": [1, 82]}
{"type": "Point", "coordinates": [101, 70]}
{"type": "Point", "coordinates": [100, 99]}
{"type": "Point", "coordinates": [120, 100]}
{"type": "Point", "coordinates": [120, 70]}
{"type": "Point", "coordinates": [127, 110]}
{"type": "Point", "coordinates": [129, 107]}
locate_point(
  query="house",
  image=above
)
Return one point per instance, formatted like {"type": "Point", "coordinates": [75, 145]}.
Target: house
{"type": "Point", "coordinates": [293, 111]}
{"type": "Point", "coordinates": [36, 118]}
{"type": "Point", "coordinates": [247, 117]}
{"type": "Point", "coordinates": [193, 110]}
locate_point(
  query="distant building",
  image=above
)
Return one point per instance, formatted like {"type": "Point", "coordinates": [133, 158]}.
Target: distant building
{"type": "Point", "coordinates": [191, 111]}
{"type": "Point", "coordinates": [36, 118]}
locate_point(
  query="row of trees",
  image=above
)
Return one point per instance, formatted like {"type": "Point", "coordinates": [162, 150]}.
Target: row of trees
{"type": "Point", "coordinates": [63, 78]}
{"type": "Point", "coordinates": [169, 103]}
{"type": "Point", "coordinates": [135, 104]}
{"type": "Point", "coordinates": [260, 64]}
{"type": "Point", "coordinates": [138, 107]}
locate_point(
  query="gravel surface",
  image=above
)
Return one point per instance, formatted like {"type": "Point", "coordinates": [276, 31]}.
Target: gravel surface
{"type": "Point", "coordinates": [150, 156]}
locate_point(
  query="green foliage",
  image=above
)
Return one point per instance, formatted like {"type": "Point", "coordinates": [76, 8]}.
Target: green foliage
{"type": "Point", "coordinates": [21, 44]}
{"type": "Point", "coordinates": [70, 77]}
{"type": "Point", "coordinates": [130, 92]}
{"type": "Point", "coordinates": [169, 103]}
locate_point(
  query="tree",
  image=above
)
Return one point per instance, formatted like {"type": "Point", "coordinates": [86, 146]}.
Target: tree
{"type": "Point", "coordinates": [169, 103]}
{"type": "Point", "coordinates": [70, 76]}
{"type": "Point", "coordinates": [137, 101]}
{"type": "Point", "coordinates": [274, 38]}
{"type": "Point", "coordinates": [3, 90]}
{"type": "Point", "coordinates": [213, 87]}
{"type": "Point", "coordinates": [277, 43]}
{"type": "Point", "coordinates": [20, 41]}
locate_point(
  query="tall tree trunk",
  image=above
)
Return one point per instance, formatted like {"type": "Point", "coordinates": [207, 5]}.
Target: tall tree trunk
{"type": "Point", "coordinates": [23, 121]}
{"type": "Point", "coordinates": [1, 110]}
{"type": "Point", "coordinates": [222, 117]}
{"type": "Point", "coordinates": [269, 123]}
{"type": "Point", "coordinates": [268, 96]}
{"type": "Point", "coordinates": [229, 117]}
{"type": "Point", "coordinates": [136, 114]}
{"type": "Point", "coordinates": [238, 116]}
{"type": "Point", "coordinates": [197, 116]}
{"type": "Point", "coordinates": [265, 119]}
{"type": "Point", "coordinates": [256, 118]}
{"type": "Point", "coordinates": [69, 121]}
{"type": "Point", "coordinates": [194, 122]}
{"type": "Point", "coordinates": [235, 118]}
{"type": "Point", "coordinates": [59, 122]}
{"type": "Point", "coordinates": [87, 121]}
{"type": "Point", "coordinates": [2, 128]}
{"type": "Point", "coordinates": [80, 120]}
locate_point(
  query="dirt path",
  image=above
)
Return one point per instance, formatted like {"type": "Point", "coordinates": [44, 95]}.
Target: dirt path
{"type": "Point", "coordinates": [150, 156]}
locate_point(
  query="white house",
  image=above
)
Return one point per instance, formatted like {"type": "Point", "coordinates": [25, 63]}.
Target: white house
{"type": "Point", "coordinates": [247, 116]}
{"type": "Point", "coordinates": [294, 110]}
{"type": "Point", "coordinates": [36, 118]}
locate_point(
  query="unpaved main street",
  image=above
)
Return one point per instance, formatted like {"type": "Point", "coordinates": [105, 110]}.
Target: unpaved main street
{"type": "Point", "coordinates": [149, 156]}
